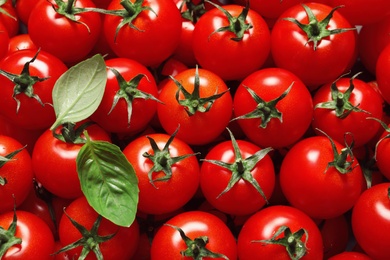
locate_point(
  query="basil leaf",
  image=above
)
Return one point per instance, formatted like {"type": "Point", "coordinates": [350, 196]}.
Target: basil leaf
{"type": "Point", "coordinates": [108, 181]}
{"type": "Point", "coordinates": [79, 91]}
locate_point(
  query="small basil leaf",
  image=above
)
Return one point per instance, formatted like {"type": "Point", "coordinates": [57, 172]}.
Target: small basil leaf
{"type": "Point", "coordinates": [108, 181]}
{"type": "Point", "coordinates": [79, 91]}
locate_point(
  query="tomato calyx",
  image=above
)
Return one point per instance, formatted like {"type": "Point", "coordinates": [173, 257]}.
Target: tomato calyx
{"type": "Point", "coordinates": [162, 160]}
{"type": "Point", "coordinates": [237, 25]}
{"type": "Point", "coordinates": [196, 248]}
{"type": "Point", "coordinates": [192, 102]}
{"type": "Point", "coordinates": [241, 168]}
{"type": "Point", "coordinates": [129, 13]}
{"type": "Point", "coordinates": [317, 30]}
{"type": "Point", "coordinates": [24, 82]}
{"type": "Point", "coordinates": [296, 248]}
{"type": "Point", "coordinates": [69, 10]}
{"type": "Point", "coordinates": [264, 110]}
{"type": "Point", "coordinates": [191, 11]}
{"type": "Point", "coordinates": [5, 159]}
{"type": "Point", "coordinates": [69, 133]}
{"type": "Point", "coordinates": [7, 237]}
{"type": "Point", "coordinates": [3, 11]}
{"type": "Point", "coordinates": [128, 91]}
{"type": "Point", "coordinates": [386, 128]}
{"type": "Point", "coordinates": [343, 161]}
{"type": "Point", "coordinates": [90, 239]}
{"type": "Point", "coordinates": [340, 101]}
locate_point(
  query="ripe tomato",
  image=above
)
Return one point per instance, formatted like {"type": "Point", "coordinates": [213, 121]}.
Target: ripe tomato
{"type": "Point", "coordinates": [320, 179]}
{"type": "Point", "coordinates": [361, 12]}
{"type": "Point", "coordinates": [24, 9]}
{"type": "Point", "coordinates": [9, 17]}
{"type": "Point", "coordinates": [37, 239]}
{"type": "Point", "coordinates": [121, 246]}
{"type": "Point", "coordinates": [16, 173]}
{"type": "Point", "coordinates": [20, 42]}
{"type": "Point", "coordinates": [381, 73]}
{"type": "Point", "coordinates": [370, 221]}
{"type": "Point", "coordinates": [316, 58]}
{"type": "Point", "coordinates": [168, 175]}
{"type": "Point", "coordinates": [55, 160]}
{"type": "Point", "coordinates": [274, 114]}
{"type": "Point", "coordinates": [129, 101]}
{"type": "Point", "coordinates": [152, 26]}
{"type": "Point", "coordinates": [4, 40]}
{"type": "Point", "coordinates": [207, 232]}
{"type": "Point", "coordinates": [350, 256]}
{"type": "Point", "coordinates": [301, 236]}
{"type": "Point", "coordinates": [69, 40]}
{"type": "Point", "coordinates": [231, 47]}
{"type": "Point", "coordinates": [381, 150]}
{"type": "Point", "coordinates": [346, 103]}
{"type": "Point", "coordinates": [372, 39]}
{"type": "Point", "coordinates": [199, 101]}
{"type": "Point", "coordinates": [27, 82]}
{"type": "Point", "coordinates": [237, 177]}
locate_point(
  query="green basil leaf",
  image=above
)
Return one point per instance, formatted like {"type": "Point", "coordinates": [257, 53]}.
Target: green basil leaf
{"type": "Point", "coordinates": [79, 91]}
{"type": "Point", "coordinates": [108, 181]}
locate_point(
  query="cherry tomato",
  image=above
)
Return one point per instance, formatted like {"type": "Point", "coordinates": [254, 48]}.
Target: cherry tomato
{"type": "Point", "coordinates": [21, 42]}
{"type": "Point", "coordinates": [350, 256]}
{"type": "Point", "coordinates": [297, 233]}
{"type": "Point", "coordinates": [370, 221]}
{"type": "Point", "coordinates": [16, 173]}
{"type": "Point", "coordinates": [37, 239]}
{"type": "Point", "coordinates": [9, 17]}
{"type": "Point", "coordinates": [4, 40]}
{"type": "Point", "coordinates": [120, 246]}
{"type": "Point", "coordinates": [316, 58]}
{"type": "Point", "coordinates": [382, 77]}
{"type": "Point", "coordinates": [153, 30]}
{"type": "Point", "coordinates": [212, 234]}
{"type": "Point", "coordinates": [273, 107]}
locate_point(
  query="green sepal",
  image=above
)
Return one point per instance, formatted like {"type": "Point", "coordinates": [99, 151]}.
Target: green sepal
{"type": "Point", "coordinates": [24, 82]}
{"type": "Point", "coordinates": [128, 91]}
{"type": "Point", "coordinates": [264, 110]}
{"type": "Point", "coordinates": [89, 241]}
{"type": "Point", "coordinates": [340, 101]}
{"type": "Point", "coordinates": [237, 25]}
{"type": "Point", "coordinates": [340, 161]}
{"type": "Point", "coordinates": [386, 128]}
{"type": "Point", "coordinates": [192, 11]}
{"type": "Point", "coordinates": [192, 102]}
{"type": "Point", "coordinates": [241, 168]}
{"type": "Point", "coordinates": [72, 134]}
{"type": "Point", "coordinates": [317, 30]}
{"type": "Point", "coordinates": [162, 160]}
{"type": "Point", "coordinates": [7, 237]}
{"type": "Point", "coordinates": [2, 11]}
{"type": "Point", "coordinates": [7, 158]}
{"type": "Point", "coordinates": [196, 248]}
{"type": "Point", "coordinates": [295, 247]}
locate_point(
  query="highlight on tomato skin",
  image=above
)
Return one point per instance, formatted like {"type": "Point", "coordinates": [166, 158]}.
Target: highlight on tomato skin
{"type": "Point", "coordinates": [171, 129]}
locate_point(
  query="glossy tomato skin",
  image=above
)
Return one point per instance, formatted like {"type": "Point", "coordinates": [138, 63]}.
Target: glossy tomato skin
{"type": "Point", "coordinates": [291, 50]}
{"type": "Point", "coordinates": [372, 39]}
{"type": "Point", "coordinates": [157, 35]}
{"type": "Point", "coordinates": [201, 127]}
{"type": "Point", "coordinates": [37, 239]}
{"type": "Point", "coordinates": [350, 256]}
{"type": "Point", "coordinates": [167, 243]}
{"type": "Point", "coordinates": [265, 223]}
{"type": "Point", "coordinates": [370, 221]}
{"type": "Point", "coordinates": [382, 149]}
{"type": "Point", "coordinates": [242, 198]}
{"type": "Point", "coordinates": [218, 52]}
{"type": "Point", "coordinates": [31, 114]}
{"type": "Point", "coordinates": [20, 42]}
{"type": "Point", "coordinates": [9, 18]}
{"type": "Point", "coordinates": [364, 97]}
{"type": "Point", "coordinates": [54, 162]}
{"type": "Point", "coordinates": [360, 12]}
{"type": "Point", "coordinates": [17, 173]}
{"type": "Point", "coordinates": [68, 40]}
{"type": "Point", "coordinates": [4, 40]}
{"type": "Point", "coordinates": [24, 8]}
{"type": "Point", "coordinates": [170, 195]}
{"type": "Point", "coordinates": [143, 110]}
{"type": "Point", "coordinates": [382, 76]}
{"type": "Point", "coordinates": [121, 246]}
{"type": "Point", "coordinates": [296, 107]}
{"type": "Point", "coordinates": [308, 186]}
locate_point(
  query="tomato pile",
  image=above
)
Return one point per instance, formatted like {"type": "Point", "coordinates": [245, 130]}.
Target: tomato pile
{"type": "Point", "coordinates": [194, 129]}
